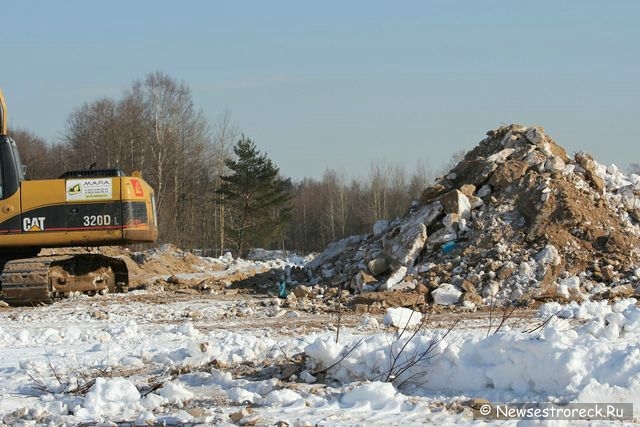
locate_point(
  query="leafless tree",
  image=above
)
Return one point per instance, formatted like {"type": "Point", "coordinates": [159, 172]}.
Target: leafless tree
{"type": "Point", "coordinates": [224, 136]}
{"type": "Point", "coordinates": [378, 190]}
{"type": "Point", "coordinates": [90, 134]}
{"type": "Point", "coordinates": [36, 155]}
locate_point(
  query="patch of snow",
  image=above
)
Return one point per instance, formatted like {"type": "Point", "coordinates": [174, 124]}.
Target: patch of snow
{"type": "Point", "coordinates": [402, 317]}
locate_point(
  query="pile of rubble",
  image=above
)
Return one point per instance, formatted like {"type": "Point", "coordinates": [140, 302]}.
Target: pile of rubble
{"type": "Point", "coordinates": [516, 220]}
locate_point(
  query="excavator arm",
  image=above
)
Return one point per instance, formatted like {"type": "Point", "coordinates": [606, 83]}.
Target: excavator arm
{"type": "Point", "coordinates": [3, 120]}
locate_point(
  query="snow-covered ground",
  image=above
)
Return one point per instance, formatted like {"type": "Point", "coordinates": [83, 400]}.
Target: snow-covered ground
{"type": "Point", "coordinates": [151, 357]}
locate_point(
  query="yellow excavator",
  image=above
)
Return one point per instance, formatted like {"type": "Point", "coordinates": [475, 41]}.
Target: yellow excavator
{"type": "Point", "coordinates": [86, 208]}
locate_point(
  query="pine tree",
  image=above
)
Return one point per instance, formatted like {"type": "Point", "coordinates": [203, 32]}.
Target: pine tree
{"type": "Point", "coordinates": [257, 199]}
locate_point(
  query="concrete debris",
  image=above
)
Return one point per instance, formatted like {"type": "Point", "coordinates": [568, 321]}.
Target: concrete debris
{"type": "Point", "coordinates": [335, 249]}
{"type": "Point", "coordinates": [378, 266]}
{"type": "Point", "coordinates": [516, 220]}
{"type": "Point", "coordinates": [446, 294]}
{"type": "Point", "coordinates": [395, 278]}
{"type": "Point", "coordinates": [363, 282]}
{"type": "Point", "coordinates": [404, 243]}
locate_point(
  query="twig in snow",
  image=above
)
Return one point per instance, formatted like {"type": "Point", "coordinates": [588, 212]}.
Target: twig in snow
{"type": "Point", "coordinates": [84, 378]}
{"type": "Point", "coordinates": [544, 323]}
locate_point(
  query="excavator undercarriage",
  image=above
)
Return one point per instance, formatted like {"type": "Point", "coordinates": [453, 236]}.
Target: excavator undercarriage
{"type": "Point", "coordinates": [29, 281]}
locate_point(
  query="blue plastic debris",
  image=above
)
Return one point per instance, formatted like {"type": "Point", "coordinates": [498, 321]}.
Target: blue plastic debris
{"type": "Point", "coordinates": [282, 291]}
{"type": "Point", "coordinates": [448, 247]}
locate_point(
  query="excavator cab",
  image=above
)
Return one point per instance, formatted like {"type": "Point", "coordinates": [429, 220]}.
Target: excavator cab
{"type": "Point", "coordinates": [11, 167]}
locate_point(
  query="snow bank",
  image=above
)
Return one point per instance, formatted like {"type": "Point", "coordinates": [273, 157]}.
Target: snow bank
{"type": "Point", "coordinates": [109, 398]}
{"type": "Point", "coordinates": [563, 360]}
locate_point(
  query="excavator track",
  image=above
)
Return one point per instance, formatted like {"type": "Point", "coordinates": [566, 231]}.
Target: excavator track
{"type": "Point", "coordinates": [29, 281]}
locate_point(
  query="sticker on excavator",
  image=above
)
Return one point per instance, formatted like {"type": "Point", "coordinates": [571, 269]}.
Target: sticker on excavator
{"type": "Point", "coordinates": [137, 188]}
{"type": "Point", "coordinates": [89, 189]}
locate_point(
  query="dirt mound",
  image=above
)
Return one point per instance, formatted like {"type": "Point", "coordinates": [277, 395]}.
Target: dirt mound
{"type": "Point", "coordinates": [146, 266]}
{"type": "Point", "coordinates": [517, 219]}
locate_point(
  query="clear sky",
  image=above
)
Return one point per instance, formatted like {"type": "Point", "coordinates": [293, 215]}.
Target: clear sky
{"type": "Point", "coordinates": [343, 84]}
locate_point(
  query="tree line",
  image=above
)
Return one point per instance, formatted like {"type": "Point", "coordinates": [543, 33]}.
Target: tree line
{"type": "Point", "coordinates": [204, 173]}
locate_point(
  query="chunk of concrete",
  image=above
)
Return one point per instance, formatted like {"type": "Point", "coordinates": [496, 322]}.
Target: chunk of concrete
{"type": "Point", "coordinates": [456, 202]}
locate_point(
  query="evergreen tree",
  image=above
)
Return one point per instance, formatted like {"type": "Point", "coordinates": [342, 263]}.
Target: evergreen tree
{"type": "Point", "coordinates": [257, 199]}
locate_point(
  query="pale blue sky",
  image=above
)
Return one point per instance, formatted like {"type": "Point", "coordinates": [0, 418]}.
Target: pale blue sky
{"type": "Point", "coordinates": [343, 84]}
